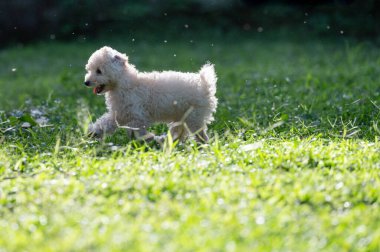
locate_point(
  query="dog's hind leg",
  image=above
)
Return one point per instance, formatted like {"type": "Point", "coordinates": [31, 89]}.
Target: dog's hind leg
{"type": "Point", "coordinates": [195, 126]}
{"type": "Point", "coordinates": [177, 131]}
{"type": "Point", "coordinates": [201, 136]}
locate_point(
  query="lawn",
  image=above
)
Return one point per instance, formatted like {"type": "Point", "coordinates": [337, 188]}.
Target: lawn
{"type": "Point", "coordinates": [293, 162]}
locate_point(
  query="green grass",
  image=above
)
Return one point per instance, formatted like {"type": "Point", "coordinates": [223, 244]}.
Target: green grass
{"type": "Point", "coordinates": [293, 163]}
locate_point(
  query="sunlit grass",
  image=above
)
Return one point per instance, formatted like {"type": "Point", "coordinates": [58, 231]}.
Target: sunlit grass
{"type": "Point", "coordinates": [292, 165]}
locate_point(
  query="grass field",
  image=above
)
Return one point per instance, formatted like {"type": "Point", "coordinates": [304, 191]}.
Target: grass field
{"type": "Point", "coordinates": [293, 163]}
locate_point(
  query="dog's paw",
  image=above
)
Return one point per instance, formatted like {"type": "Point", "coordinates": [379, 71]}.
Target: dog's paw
{"type": "Point", "coordinates": [160, 139]}
{"type": "Point", "coordinates": [93, 132]}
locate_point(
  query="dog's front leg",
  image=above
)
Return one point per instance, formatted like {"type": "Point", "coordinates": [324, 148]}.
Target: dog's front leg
{"type": "Point", "coordinates": [106, 124]}
{"type": "Point", "coordinates": [144, 135]}
{"type": "Point", "coordinates": [138, 130]}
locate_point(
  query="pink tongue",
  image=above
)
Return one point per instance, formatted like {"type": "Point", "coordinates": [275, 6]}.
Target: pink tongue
{"type": "Point", "coordinates": [94, 90]}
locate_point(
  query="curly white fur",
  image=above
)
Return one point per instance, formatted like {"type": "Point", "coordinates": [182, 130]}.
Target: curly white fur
{"type": "Point", "coordinates": [136, 100]}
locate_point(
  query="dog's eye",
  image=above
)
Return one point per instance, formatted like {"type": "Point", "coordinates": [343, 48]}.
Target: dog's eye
{"type": "Point", "coordinates": [98, 71]}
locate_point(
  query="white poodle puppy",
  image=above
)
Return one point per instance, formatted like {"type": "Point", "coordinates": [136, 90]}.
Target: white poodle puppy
{"type": "Point", "coordinates": [135, 100]}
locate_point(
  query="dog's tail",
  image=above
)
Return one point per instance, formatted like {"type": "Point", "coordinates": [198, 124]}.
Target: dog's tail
{"type": "Point", "coordinates": [209, 78]}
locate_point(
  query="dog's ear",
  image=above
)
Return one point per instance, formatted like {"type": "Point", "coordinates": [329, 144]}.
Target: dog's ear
{"type": "Point", "coordinates": [119, 59]}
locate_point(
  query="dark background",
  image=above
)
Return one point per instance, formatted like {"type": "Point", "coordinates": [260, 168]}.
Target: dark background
{"type": "Point", "coordinates": [23, 21]}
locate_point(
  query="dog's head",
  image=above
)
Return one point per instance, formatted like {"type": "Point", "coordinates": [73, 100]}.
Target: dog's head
{"type": "Point", "coordinates": [104, 69]}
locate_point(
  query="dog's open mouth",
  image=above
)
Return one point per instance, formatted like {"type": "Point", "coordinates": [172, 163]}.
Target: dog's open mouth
{"type": "Point", "coordinates": [99, 89]}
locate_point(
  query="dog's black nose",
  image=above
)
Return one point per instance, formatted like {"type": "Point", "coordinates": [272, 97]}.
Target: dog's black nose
{"type": "Point", "coordinates": [87, 83]}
